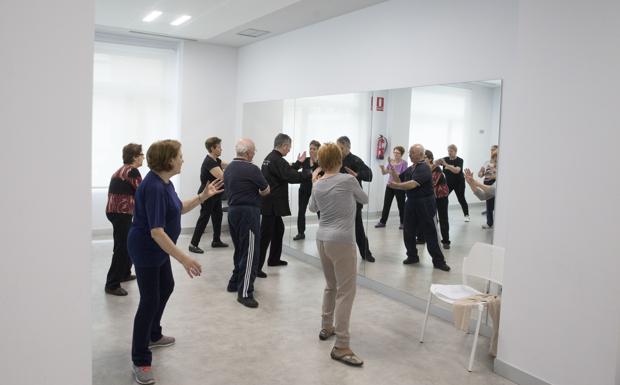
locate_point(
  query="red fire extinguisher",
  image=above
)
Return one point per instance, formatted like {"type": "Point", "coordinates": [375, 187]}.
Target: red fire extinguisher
{"type": "Point", "coordinates": [381, 146]}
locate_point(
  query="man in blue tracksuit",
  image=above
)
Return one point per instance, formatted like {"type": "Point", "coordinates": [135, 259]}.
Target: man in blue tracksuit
{"type": "Point", "coordinates": [245, 184]}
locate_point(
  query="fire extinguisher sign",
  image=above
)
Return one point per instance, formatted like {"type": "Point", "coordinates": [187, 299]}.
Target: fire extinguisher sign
{"type": "Point", "coordinates": [380, 103]}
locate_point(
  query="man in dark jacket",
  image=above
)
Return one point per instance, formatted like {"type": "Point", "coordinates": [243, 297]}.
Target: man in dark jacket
{"type": "Point", "coordinates": [353, 165]}
{"type": "Point", "coordinates": [279, 173]}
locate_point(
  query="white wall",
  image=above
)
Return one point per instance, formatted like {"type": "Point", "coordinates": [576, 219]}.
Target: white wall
{"type": "Point", "coordinates": [559, 321]}
{"type": "Point", "coordinates": [208, 94]}
{"type": "Point", "coordinates": [45, 115]}
{"type": "Point", "coordinates": [558, 105]}
{"type": "Point", "coordinates": [208, 76]}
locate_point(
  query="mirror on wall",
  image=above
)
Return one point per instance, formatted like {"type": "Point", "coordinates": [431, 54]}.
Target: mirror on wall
{"type": "Point", "coordinates": [462, 116]}
{"type": "Point", "coordinates": [380, 125]}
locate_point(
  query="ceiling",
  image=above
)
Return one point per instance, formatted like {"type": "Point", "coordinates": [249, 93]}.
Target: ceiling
{"type": "Point", "coordinates": [219, 21]}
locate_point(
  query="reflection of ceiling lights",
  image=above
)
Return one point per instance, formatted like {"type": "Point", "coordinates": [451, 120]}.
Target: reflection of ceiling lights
{"type": "Point", "coordinates": [180, 20]}
{"type": "Point", "coordinates": [251, 32]}
{"type": "Point", "coordinates": [152, 16]}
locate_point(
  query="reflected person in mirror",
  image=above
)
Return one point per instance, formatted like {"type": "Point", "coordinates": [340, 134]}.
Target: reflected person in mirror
{"type": "Point", "coordinates": [453, 169]}
{"type": "Point", "coordinates": [278, 173]}
{"type": "Point", "coordinates": [336, 196]}
{"type": "Point", "coordinates": [482, 191]}
{"type": "Point", "coordinates": [420, 208]}
{"type": "Point", "coordinates": [489, 172]}
{"type": "Point", "coordinates": [356, 167]}
{"type": "Point", "coordinates": [399, 165]}
{"type": "Point", "coordinates": [305, 187]}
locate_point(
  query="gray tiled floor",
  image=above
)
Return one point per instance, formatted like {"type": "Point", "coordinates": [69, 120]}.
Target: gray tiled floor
{"type": "Point", "coordinates": [221, 342]}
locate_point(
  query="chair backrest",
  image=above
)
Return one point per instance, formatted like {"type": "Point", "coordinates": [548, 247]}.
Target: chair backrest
{"type": "Point", "coordinates": [484, 261]}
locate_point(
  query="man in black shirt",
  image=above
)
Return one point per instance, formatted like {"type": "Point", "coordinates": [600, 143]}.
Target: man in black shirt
{"type": "Point", "coordinates": [279, 173]}
{"type": "Point", "coordinates": [212, 169]}
{"type": "Point", "coordinates": [245, 184]}
{"type": "Point", "coordinates": [453, 169]}
{"type": "Point", "coordinates": [420, 207]}
{"type": "Point", "coordinates": [353, 165]}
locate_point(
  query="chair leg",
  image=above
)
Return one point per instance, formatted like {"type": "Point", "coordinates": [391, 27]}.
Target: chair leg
{"type": "Point", "coordinates": [428, 306]}
{"type": "Point", "coordinates": [473, 348]}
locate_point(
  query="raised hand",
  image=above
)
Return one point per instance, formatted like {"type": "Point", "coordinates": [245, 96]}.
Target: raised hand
{"type": "Point", "coordinates": [301, 157]}
{"type": "Point", "coordinates": [212, 188]}
{"type": "Point", "coordinates": [315, 174]}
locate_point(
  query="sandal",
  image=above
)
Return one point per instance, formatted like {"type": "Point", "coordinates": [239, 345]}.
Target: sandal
{"type": "Point", "coordinates": [325, 334]}
{"type": "Point", "coordinates": [346, 356]}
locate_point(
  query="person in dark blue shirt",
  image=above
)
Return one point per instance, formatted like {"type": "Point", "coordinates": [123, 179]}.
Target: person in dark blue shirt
{"type": "Point", "coordinates": [420, 207]}
{"type": "Point", "coordinates": [244, 184]}
{"type": "Point", "coordinates": [152, 239]}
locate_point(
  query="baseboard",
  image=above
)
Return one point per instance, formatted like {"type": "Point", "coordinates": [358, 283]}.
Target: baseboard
{"type": "Point", "coordinates": [516, 375]}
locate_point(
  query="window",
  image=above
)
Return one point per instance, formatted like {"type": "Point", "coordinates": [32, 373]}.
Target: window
{"type": "Point", "coordinates": [134, 100]}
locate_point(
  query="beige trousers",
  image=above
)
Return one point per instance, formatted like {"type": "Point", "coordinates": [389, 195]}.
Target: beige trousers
{"type": "Point", "coordinates": [339, 262]}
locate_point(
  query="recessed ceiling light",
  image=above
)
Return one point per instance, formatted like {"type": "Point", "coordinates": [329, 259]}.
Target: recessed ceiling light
{"type": "Point", "coordinates": [152, 16]}
{"type": "Point", "coordinates": [180, 20]}
{"type": "Point", "coordinates": [251, 32]}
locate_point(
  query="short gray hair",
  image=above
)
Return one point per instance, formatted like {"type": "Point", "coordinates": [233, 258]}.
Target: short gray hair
{"type": "Point", "coordinates": [344, 140]}
{"type": "Point", "coordinates": [280, 140]}
{"type": "Point", "coordinates": [244, 146]}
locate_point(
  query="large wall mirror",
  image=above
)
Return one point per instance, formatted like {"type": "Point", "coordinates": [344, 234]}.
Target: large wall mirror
{"type": "Point", "coordinates": [380, 124]}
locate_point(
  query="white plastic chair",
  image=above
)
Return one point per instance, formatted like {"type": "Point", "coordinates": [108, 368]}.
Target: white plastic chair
{"type": "Point", "coordinates": [484, 261]}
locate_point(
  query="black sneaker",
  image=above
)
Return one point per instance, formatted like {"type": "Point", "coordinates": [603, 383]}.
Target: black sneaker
{"type": "Point", "coordinates": [119, 291]}
{"type": "Point", "coordinates": [219, 244]}
{"type": "Point", "coordinates": [231, 289]}
{"type": "Point", "coordinates": [379, 225]}
{"type": "Point", "coordinates": [261, 274]}
{"type": "Point", "coordinates": [247, 301]}
{"type": "Point", "coordinates": [299, 236]}
{"type": "Point", "coordinates": [368, 258]}
{"type": "Point", "coordinates": [446, 246]}
{"type": "Point", "coordinates": [420, 241]}
{"type": "Point", "coordinates": [443, 267]}
{"type": "Point", "coordinates": [278, 263]}
{"type": "Point", "coordinates": [128, 278]}
{"type": "Point", "coordinates": [411, 261]}
{"type": "Point", "coordinates": [195, 249]}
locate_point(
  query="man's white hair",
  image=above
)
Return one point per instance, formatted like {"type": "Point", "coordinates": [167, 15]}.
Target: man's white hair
{"type": "Point", "coordinates": [244, 146]}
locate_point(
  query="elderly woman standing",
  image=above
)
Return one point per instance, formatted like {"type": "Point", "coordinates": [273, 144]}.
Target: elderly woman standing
{"type": "Point", "coordinates": [119, 211]}
{"type": "Point", "coordinates": [335, 195]}
{"type": "Point", "coordinates": [152, 240]}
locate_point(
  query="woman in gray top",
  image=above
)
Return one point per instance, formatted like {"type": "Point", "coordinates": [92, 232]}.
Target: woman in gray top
{"type": "Point", "coordinates": [335, 196]}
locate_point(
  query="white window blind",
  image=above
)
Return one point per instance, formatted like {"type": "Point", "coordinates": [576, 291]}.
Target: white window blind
{"type": "Point", "coordinates": [134, 100]}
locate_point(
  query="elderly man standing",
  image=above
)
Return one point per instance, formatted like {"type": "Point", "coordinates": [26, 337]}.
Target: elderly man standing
{"type": "Point", "coordinates": [279, 173]}
{"type": "Point", "coordinates": [353, 165]}
{"type": "Point", "coordinates": [245, 184]}
{"type": "Point", "coordinates": [420, 208]}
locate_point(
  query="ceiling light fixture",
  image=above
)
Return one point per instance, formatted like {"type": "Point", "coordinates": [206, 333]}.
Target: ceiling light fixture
{"type": "Point", "coordinates": [152, 16]}
{"type": "Point", "coordinates": [180, 20]}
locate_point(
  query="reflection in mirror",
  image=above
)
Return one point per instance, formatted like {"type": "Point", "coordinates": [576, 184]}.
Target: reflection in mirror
{"type": "Point", "coordinates": [310, 122]}
{"type": "Point", "coordinates": [459, 124]}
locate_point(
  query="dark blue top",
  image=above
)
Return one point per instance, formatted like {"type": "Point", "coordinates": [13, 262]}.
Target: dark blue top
{"type": "Point", "coordinates": [242, 180]}
{"type": "Point", "coordinates": [421, 173]}
{"type": "Point", "coordinates": [157, 205]}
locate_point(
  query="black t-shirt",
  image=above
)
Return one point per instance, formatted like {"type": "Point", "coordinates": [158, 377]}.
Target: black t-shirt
{"type": "Point", "coordinates": [421, 173]}
{"type": "Point", "coordinates": [205, 171]}
{"type": "Point", "coordinates": [456, 162]}
{"type": "Point", "coordinates": [242, 180]}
